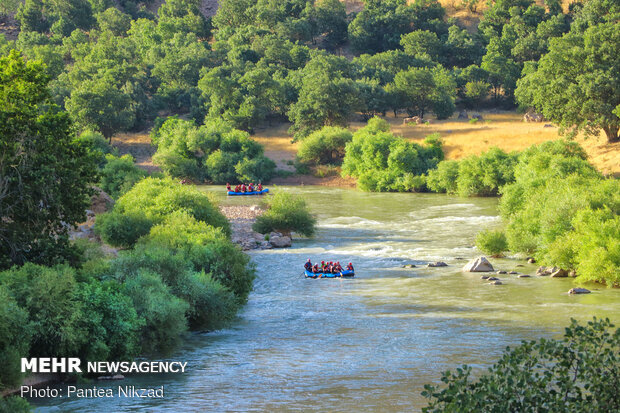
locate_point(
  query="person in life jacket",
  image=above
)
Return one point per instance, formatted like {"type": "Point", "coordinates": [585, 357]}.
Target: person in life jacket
{"type": "Point", "coordinates": [350, 267]}
{"type": "Point", "coordinates": [228, 186]}
{"type": "Point", "coordinates": [251, 188]}
{"type": "Point", "coordinates": [323, 266]}
{"type": "Point", "coordinates": [308, 265]}
{"type": "Point", "coordinates": [337, 267]}
{"type": "Point", "coordinates": [260, 187]}
{"type": "Point", "coordinates": [315, 268]}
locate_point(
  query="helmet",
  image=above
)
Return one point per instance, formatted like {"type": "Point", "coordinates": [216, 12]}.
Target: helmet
{"type": "Point", "coordinates": [350, 264]}
{"type": "Point", "coordinates": [308, 259]}
{"type": "Point", "coordinates": [322, 262]}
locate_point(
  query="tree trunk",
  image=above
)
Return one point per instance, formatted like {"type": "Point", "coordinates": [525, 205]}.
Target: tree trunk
{"type": "Point", "coordinates": [612, 134]}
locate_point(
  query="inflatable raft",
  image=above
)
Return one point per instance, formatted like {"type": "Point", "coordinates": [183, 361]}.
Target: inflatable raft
{"type": "Point", "coordinates": [264, 191]}
{"type": "Point", "coordinates": [345, 274]}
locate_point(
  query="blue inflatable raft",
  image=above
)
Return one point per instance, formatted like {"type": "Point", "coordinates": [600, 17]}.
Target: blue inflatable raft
{"type": "Point", "coordinates": [344, 274]}
{"type": "Point", "coordinates": [264, 191]}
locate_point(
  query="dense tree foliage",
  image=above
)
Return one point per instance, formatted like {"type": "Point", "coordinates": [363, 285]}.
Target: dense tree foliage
{"type": "Point", "coordinates": [384, 162]}
{"type": "Point", "coordinates": [45, 175]}
{"type": "Point", "coordinates": [214, 152]}
{"type": "Point", "coordinates": [286, 213]}
{"type": "Point", "coordinates": [325, 146]}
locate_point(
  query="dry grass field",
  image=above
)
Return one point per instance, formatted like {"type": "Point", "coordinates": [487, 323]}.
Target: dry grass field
{"type": "Point", "coordinates": [505, 130]}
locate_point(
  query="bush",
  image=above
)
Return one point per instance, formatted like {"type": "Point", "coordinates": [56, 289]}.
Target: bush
{"type": "Point", "coordinates": [122, 230]}
{"type": "Point", "coordinates": [14, 404]}
{"type": "Point", "coordinates": [578, 373]}
{"type": "Point", "coordinates": [493, 243]}
{"type": "Point", "coordinates": [286, 213]}
{"type": "Point", "coordinates": [444, 178]}
{"type": "Point", "coordinates": [109, 322]}
{"type": "Point", "coordinates": [163, 313]}
{"type": "Point", "coordinates": [119, 175]}
{"type": "Point", "coordinates": [325, 146]}
{"type": "Point", "coordinates": [47, 294]}
{"type": "Point", "coordinates": [207, 249]}
{"type": "Point", "coordinates": [157, 198]}
{"type": "Point", "coordinates": [211, 305]}
{"type": "Point", "coordinates": [96, 144]}
{"type": "Point", "coordinates": [15, 334]}
{"type": "Point", "coordinates": [484, 175]}
{"type": "Point", "coordinates": [382, 162]}
{"type": "Point", "coordinates": [215, 152]}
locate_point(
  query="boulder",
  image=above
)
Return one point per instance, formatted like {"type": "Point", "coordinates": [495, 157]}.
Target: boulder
{"type": "Point", "coordinates": [524, 276]}
{"type": "Point", "coordinates": [100, 202]}
{"type": "Point", "coordinates": [492, 278]}
{"type": "Point", "coordinates": [532, 116]}
{"type": "Point", "coordinates": [513, 272]}
{"type": "Point", "coordinates": [409, 266]}
{"type": "Point", "coordinates": [496, 282]}
{"type": "Point", "coordinates": [544, 271]}
{"type": "Point", "coordinates": [280, 241]}
{"type": "Point", "coordinates": [463, 115]}
{"type": "Point", "coordinates": [484, 277]}
{"type": "Point", "coordinates": [502, 272]}
{"type": "Point", "coordinates": [560, 273]}
{"type": "Point", "coordinates": [437, 264]}
{"type": "Point", "coordinates": [579, 291]}
{"type": "Point", "coordinates": [480, 264]}
{"type": "Point", "coordinates": [531, 260]}
{"type": "Point", "coordinates": [572, 274]}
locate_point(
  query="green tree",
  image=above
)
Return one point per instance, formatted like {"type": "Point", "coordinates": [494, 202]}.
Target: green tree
{"type": "Point", "coordinates": [286, 213]}
{"type": "Point", "coordinates": [45, 176]}
{"type": "Point", "coordinates": [422, 42]}
{"type": "Point", "coordinates": [98, 103]}
{"type": "Point", "coordinates": [324, 146]}
{"type": "Point", "coordinates": [577, 83]}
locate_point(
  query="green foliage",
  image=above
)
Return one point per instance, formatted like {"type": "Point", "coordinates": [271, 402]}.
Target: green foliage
{"type": "Point", "coordinates": [208, 249]}
{"type": "Point", "coordinates": [211, 305]}
{"type": "Point", "coordinates": [14, 404]}
{"type": "Point", "coordinates": [214, 152]}
{"type": "Point", "coordinates": [384, 162]}
{"type": "Point", "coordinates": [286, 213]}
{"type": "Point", "coordinates": [324, 146]}
{"type": "Point", "coordinates": [444, 178]}
{"type": "Point", "coordinates": [156, 198]}
{"type": "Point", "coordinates": [96, 145]}
{"type": "Point", "coordinates": [46, 176]}
{"type": "Point", "coordinates": [574, 84]}
{"type": "Point", "coordinates": [163, 313]}
{"type": "Point", "coordinates": [576, 373]}
{"type": "Point", "coordinates": [484, 175]}
{"type": "Point", "coordinates": [122, 230]}
{"type": "Point", "coordinates": [14, 338]}
{"type": "Point", "coordinates": [491, 242]}
{"type": "Point", "coordinates": [109, 322]}
{"type": "Point", "coordinates": [119, 175]}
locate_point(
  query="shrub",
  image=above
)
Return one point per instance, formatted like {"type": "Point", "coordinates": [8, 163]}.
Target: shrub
{"type": "Point", "coordinates": [14, 339]}
{"type": "Point", "coordinates": [491, 242]}
{"type": "Point", "coordinates": [444, 178]}
{"type": "Point", "coordinates": [215, 152]}
{"type": "Point", "coordinates": [484, 175]}
{"type": "Point", "coordinates": [325, 146]}
{"type": "Point", "coordinates": [109, 321]}
{"type": "Point", "coordinates": [211, 305]}
{"type": "Point", "coordinates": [14, 404]}
{"type": "Point", "coordinates": [381, 161]}
{"type": "Point", "coordinates": [122, 230]}
{"type": "Point", "coordinates": [119, 175]}
{"type": "Point", "coordinates": [47, 294]}
{"type": "Point", "coordinates": [577, 373]}
{"type": "Point", "coordinates": [286, 213]}
{"type": "Point", "coordinates": [157, 198]}
{"type": "Point", "coordinates": [163, 313]}
{"type": "Point", "coordinates": [96, 144]}
{"type": "Point", "coordinates": [207, 249]}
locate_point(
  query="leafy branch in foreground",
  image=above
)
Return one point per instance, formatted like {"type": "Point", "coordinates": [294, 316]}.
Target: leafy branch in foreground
{"type": "Point", "coordinates": [579, 373]}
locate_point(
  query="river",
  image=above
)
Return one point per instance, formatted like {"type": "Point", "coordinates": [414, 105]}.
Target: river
{"type": "Point", "coordinates": [368, 343]}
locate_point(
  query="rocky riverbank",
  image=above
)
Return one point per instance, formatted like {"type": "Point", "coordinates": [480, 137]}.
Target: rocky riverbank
{"type": "Point", "coordinates": [241, 219]}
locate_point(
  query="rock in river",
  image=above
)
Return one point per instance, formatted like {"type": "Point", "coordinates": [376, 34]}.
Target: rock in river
{"type": "Point", "coordinates": [578, 290]}
{"type": "Point", "coordinates": [282, 241]}
{"type": "Point", "coordinates": [480, 264]}
{"type": "Point", "coordinates": [437, 264]}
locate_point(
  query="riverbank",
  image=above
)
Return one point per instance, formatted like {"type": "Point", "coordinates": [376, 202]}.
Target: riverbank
{"type": "Point", "coordinates": [241, 218]}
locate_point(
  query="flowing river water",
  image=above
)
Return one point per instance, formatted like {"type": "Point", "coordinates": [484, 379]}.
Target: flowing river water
{"type": "Point", "coordinates": [368, 343]}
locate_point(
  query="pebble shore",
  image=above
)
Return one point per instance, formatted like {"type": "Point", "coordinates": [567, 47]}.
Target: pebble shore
{"type": "Point", "coordinates": [241, 219]}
